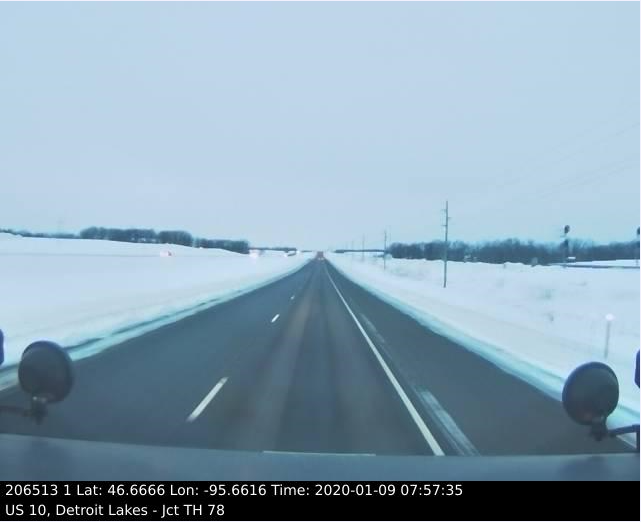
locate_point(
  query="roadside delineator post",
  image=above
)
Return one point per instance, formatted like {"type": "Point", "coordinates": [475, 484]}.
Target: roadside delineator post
{"type": "Point", "coordinates": [608, 325]}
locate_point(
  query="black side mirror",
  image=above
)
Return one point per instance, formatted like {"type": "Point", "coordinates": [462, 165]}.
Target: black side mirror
{"type": "Point", "coordinates": [45, 372]}
{"type": "Point", "coordinates": [591, 393]}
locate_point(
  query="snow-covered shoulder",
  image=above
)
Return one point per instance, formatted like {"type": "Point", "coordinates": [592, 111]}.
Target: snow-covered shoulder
{"type": "Point", "coordinates": [72, 291]}
{"type": "Point", "coordinates": [536, 322]}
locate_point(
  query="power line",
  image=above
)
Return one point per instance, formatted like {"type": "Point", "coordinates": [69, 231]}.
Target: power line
{"type": "Point", "coordinates": [561, 186]}
{"type": "Point", "coordinates": [525, 177]}
{"type": "Point", "coordinates": [580, 183]}
{"type": "Point", "coordinates": [577, 181]}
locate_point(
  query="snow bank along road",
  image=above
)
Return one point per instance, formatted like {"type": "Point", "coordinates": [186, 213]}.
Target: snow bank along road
{"type": "Point", "coordinates": [310, 363]}
{"type": "Point", "coordinates": [538, 323]}
{"type": "Point", "coordinates": [94, 292]}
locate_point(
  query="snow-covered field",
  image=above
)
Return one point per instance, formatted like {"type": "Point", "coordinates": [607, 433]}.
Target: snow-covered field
{"type": "Point", "coordinates": [75, 291]}
{"type": "Point", "coordinates": [536, 322]}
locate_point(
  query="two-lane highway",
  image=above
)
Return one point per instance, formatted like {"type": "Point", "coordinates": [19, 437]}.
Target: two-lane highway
{"type": "Point", "coordinates": [310, 363]}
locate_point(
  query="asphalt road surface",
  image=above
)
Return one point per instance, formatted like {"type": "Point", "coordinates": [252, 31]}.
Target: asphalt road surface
{"type": "Point", "coordinates": [310, 363]}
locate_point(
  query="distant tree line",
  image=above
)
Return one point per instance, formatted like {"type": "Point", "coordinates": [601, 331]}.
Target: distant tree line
{"type": "Point", "coordinates": [127, 235]}
{"type": "Point", "coordinates": [172, 237]}
{"type": "Point", "coordinates": [515, 251]}
{"type": "Point", "coordinates": [590, 251]}
{"type": "Point", "coordinates": [143, 235]}
{"type": "Point", "coordinates": [26, 233]}
{"type": "Point", "coordinates": [276, 248]}
{"type": "Point", "coordinates": [345, 250]}
{"type": "Point", "coordinates": [240, 246]}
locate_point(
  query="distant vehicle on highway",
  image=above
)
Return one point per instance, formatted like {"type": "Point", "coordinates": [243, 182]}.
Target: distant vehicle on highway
{"type": "Point", "coordinates": [319, 255]}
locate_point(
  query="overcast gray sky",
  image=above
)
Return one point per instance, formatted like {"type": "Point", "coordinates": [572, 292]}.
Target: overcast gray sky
{"type": "Point", "coordinates": [314, 123]}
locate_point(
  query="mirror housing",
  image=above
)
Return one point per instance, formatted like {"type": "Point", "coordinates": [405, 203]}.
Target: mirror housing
{"type": "Point", "coordinates": [591, 393]}
{"type": "Point", "coordinates": [45, 372]}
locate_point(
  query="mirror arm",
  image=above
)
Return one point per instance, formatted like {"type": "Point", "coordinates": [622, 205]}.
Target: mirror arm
{"type": "Point", "coordinates": [38, 409]}
{"type": "Point", "coordinates": [633, 428]}
{"type": "Point", "coordinates": [599, 430]}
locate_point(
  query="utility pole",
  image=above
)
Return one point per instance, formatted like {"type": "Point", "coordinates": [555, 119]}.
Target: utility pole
{"type": "Point", "coordinates": [385, 250]}
{"type": "Point", "coordinates": [565, 246]}
{"type": "Point", "coordinates": [447, 226]}
{"type": "Point", "coordinates": [363, 249]}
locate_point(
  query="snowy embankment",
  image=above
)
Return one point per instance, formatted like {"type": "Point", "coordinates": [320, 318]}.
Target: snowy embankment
{"type": "Point", "coordinates": [538, 323]}
{"type": "Point", "coordinates": [97, 293]}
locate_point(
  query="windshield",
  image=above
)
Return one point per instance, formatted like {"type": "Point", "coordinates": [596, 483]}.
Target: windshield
{"type": "Point", "coordinates": [354, 228]}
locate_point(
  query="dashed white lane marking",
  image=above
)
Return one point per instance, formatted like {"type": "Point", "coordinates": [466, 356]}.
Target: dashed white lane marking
{"type": "Point", "coordinates": [275, 318]}
{"type": "Point", "coordinates": [208, 398]}
{"type": "Point", "coordinates": [292, 298]}
{"type": "Point", "coordinates": [457, 438]}
{"type": "Point", "coordinates": [422, 427]}
{"type": "Point", "coordinates": [434, 409]}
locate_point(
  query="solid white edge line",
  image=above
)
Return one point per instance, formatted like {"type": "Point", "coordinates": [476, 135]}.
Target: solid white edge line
{"type": "Point", "coordinates": [418, 420]}
{"type": "Point", "coordinates": [275, 318]}
{"type": "Point", "coordinates": [203, 404]}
